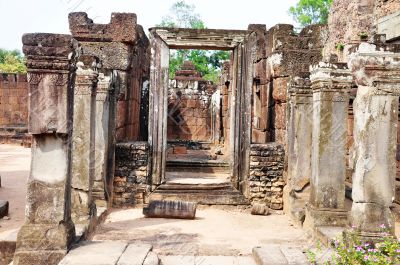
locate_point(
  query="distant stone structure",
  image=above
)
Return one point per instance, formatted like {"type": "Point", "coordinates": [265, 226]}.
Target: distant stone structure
{"type": "Point", "coordinates": [189, 105]}
{"type": "Point", "coordinates": [14, 109]}
{"type": "Point", "coordinates": [302, 118]}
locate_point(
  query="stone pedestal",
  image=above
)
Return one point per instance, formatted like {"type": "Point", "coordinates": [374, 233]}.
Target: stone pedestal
{"type": "Point", "coordinates": [330, 85]}
{"type": "Point", "coordinates": [296, 192]}
{"type": "Point", "coordinates": [83, 141]}
{"type": "Point", "coordinates": [375, 140]}
{"type": "Point", "coordinates": [48, 230]}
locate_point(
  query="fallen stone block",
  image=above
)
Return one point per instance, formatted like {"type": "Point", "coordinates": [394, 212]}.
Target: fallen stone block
{"type": "Point", "coordinates": [3, 208]}
{"type": "Point", "coordinates": [170, 209]}
{"type": "Point", "coordinates": [259, 209]}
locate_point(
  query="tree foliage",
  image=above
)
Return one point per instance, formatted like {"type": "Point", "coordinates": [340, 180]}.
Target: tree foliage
{"type": "Point", "coordinates": [12, 62]}
{"type": "Point", "coordinates": [308, 12]}
{"type": "Point", "coordinates": [182, 15]}
{"type": "Point", "coordinates": [208, 63]}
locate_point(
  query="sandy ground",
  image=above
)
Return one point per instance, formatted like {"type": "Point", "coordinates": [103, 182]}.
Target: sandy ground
{"type": "Point", "coordinates": [215, 231]}
{"type": "Point", "coordinates": [14, 170]}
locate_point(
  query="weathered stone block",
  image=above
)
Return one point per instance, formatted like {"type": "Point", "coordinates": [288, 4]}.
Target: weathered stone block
{"type": "Point", "coordinates": [122, 28]}
{"type": "Point", "coordinates": [4, 205]}
{"type": "Point", "coordinates": [170, 209]}
{"type": "Point", "coordinates": [280, 87]}
{"type": "Point", "coordinates": [259, 209]}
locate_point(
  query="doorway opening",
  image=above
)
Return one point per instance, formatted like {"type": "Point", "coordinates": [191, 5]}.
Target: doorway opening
{"type": "Point", "coordinates": [198, 103]}
{"type": "Point", "coordinates": [200, 131]}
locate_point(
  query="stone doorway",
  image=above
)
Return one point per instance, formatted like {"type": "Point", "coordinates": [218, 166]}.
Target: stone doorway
{"type": "Point", "coordinates": [180, 153]}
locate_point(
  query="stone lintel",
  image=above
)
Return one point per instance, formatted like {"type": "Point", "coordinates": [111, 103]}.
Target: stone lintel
{"type": "Point", "coordinates": [122, 28]}
{"type": "Point", "coordinates": [210, 39]}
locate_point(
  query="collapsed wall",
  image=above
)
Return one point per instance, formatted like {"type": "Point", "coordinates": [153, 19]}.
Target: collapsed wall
{"type": "Point", "coordinates": [288, 55]}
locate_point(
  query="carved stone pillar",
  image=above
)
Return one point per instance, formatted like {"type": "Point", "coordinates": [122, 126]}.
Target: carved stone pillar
{"type": "Point", "coordinates": [104, 86]}
{"type": "Point", "coordinates": [299, 145]}
{"type": "Point", "coordinates": [48, 230]}
{"type": "Point", "coordinates": [330, 86]}
{"type": "Point", "coordinates": [377, 75]}
{"type": "Point", "coordinates": [83, 141]}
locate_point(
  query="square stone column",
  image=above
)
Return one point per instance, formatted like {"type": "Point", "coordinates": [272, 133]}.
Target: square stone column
{"type": "Point", "coordinates": [377, 74]}
{"type": "Point", "coordinates": [102, 139]}
{"type": "Point", "coordinates": [330, 85]}
{"type": "Point", "coordinates": [48, 230]}
{"type": "Point", "coordinates": [299, 145]}
{"type": "Point", "coordinates": [83, 140]}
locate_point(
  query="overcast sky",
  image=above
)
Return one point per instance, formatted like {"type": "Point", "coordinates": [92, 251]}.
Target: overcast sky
{"type": "Point", "coordinates": [28, 16]}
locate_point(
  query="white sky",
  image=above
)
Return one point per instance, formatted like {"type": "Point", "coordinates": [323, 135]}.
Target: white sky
{"type": "Point", "coordinates": [51, 16]}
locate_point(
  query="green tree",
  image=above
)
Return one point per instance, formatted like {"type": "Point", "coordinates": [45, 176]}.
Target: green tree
{"type": "Point", "coordinates": [208, 63]}
{"type": "Point", "coordinates": [182, 15]}
{"type": "Point", "coordinates": [12, 62]}
{"type": "Point", "coordinates": [308, 12]}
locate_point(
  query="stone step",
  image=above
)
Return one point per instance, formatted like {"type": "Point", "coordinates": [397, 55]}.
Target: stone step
{"type": "Point", "coordinates": [110, 253]}
{"type": "Point", "coordinates": [197, 165]}
{"type": "Point", "coordinates": [206, 260]}
{"type": "Point", "coordinates": [223, 196]}
{"type": "Point", "coordinates": [196, 187]}
{"type": "Point", "coordinates": [279, 255]}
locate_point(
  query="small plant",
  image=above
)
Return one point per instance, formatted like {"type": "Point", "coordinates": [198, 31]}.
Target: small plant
{"type": "Point", "coordinates": [340, 46]}
{"type": "Point", "coordinates": [350, 250]}
{"type": "Point", "coordinates": [363, 35]}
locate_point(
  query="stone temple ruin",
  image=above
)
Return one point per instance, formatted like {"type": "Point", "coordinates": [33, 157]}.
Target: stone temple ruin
{"type": "Point", "coordinates": [298, 122]}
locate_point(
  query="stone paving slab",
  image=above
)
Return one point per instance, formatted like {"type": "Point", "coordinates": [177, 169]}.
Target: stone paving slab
{"type": "Point", "coordinates": [95, 253]}
{"type": "Point", "coordinates": [206, 260]}
{"type": "Point", "coordinates": [279, 255]}
{"type": "Point", "coordinates": [110, 253]}
{"type": "Point", "coordinates": [134, 255]}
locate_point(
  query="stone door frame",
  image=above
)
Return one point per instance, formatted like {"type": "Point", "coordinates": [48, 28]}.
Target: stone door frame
{"type": "Point", "coordinates": [242, 44]}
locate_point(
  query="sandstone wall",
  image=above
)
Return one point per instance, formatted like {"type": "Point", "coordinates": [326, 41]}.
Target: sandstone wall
{"type": "Point", "coordinates": [14, 108]}
{"type": "Point", "coordinates": [123, 47]}
{"type": "Point", "coordinates": [189, 110]}
{"type": "Point", "coordinates": [131, 182]}
{"type": "Point", "coordinates": [266, 174]}
{"type": "Point", "coordinates": [289, 55]}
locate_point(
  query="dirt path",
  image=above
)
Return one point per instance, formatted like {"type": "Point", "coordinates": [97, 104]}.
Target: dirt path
{"type": "Point", "coordinates": [14, 170]}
